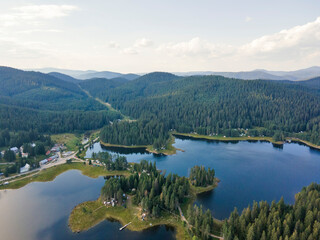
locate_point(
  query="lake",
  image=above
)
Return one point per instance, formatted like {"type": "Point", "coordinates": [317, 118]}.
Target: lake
{"type": "Point", "coordinates": [41, 211]}
{"type": "Point", "coordinates": [248, 171]}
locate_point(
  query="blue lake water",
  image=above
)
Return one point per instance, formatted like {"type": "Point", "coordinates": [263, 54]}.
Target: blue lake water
{"type": "Point", "coordinates": [248, 171]}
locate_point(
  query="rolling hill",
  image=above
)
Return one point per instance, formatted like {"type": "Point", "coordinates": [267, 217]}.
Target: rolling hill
{"type": "Point", "coordinates": [215, 104]}
{"type": "Point", "coordinates": [33, 100]}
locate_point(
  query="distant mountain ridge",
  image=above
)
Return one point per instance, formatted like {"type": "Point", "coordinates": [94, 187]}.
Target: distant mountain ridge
{"type": "Point", "coordinates": [88, 74]}
{"type": "Point", "coordinates": [64, 77]}
{"type": "Point", "coordinates": [298, 75]}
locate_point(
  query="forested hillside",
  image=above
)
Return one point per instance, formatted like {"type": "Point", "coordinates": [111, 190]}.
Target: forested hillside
{"type": "Point", "coordinates": [98, 87]}
{"type": "Point", "coordinates": [33, 100]}
{"type": "Point", "coordinates": [218, 105]}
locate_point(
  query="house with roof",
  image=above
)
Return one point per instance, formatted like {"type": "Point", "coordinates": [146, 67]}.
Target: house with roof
{"type": "Point", "coordinates": [14, 149]}
{"type": "Point", "coordinates": [26, 168]}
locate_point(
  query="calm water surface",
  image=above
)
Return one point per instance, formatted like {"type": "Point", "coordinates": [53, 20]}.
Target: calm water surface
{"type": "Point", "coordinates": [248, 171]}
{"type": "Point", "coordinates": [41, 211]}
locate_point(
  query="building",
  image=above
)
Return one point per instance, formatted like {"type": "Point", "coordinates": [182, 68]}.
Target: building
{"type": "Point", "coordinates": [24, 169]}
{"type": "Point", "coordinates": [43, 162]}
{"type": "Point", "coordinates": [14, 149]}
{"type": "Point", "coordinates": [25, 155]}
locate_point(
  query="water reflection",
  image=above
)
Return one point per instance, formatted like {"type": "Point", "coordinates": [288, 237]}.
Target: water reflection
{"type": "Point", "coordinates": [41, 211]}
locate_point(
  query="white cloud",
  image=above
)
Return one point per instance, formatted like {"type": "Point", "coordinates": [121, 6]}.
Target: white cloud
{"type": "Point", "coordinates": [13, 48]}
{"type": "Point", "coordinates": [143, 42]}
{"type": "Point", "coordinates": [248, 19]}
{"type": "Point", "coordinates": [299, 40]}
{"type": "Point", "coordinates": [196, 47]}
{"type": "Point", "coordinates": [130, 51]}
{"type": "Point", "coordinates": [29, 31]}
{"type": "Point", "coordinates": [33, 14]}
{"type": "Point", "coordinates": [137, 46]}
{"type": "Point", "coordinates": [113, 44]}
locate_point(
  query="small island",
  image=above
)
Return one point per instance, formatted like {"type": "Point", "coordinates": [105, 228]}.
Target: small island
{"type": "Point", "coordinates": [149, 197]}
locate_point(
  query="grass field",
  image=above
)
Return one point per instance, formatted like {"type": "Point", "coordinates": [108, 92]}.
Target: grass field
{"type": "Point", "coordinates": [88, 214]}
{"type": "Point", "coordinates": [70, 140]}
{"type": "Point", "coordinates": [50, 174]}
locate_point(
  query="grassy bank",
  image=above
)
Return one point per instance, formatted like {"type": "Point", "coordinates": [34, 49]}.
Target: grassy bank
{"type": "Point", "coordinates": [305, 143]}
{"type": "Point", "coordinates": [89, 214]}
{"type": "Point", "coordinates": [268, 139]}
{"type": "Point", "coordinates": [222, 138]}
{"type": "Point", "coordinates": [50, 174]}
{"type": "Point", "coordinates": [170, 149]}
{"type": "Point", "coordinates": [198, 190]}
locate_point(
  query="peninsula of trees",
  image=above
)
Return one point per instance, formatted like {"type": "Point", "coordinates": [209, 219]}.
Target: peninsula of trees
{"type": "Point", "coordinates": [146, 195]}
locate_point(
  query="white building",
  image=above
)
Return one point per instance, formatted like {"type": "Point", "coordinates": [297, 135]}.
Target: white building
{"type": "Point", "coordinates": [14, 149]}
{"type": "Point", "coordinates": [24, 169]}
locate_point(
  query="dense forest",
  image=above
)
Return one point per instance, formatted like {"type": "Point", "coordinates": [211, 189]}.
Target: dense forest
{"type": "Point", "coordinates": [202, 223]}
{"type": "Point", "coordinates": [142, 132]}
{"type": "Point", "coordinates": [210, 105]}
{"type": "Point", "coordinates": [42, 102]}
{"type": "Point", "coordinates": [200, 177]}
{"type": "Point", "coordinates": [18, 139]}
{"type": "Point", "coordinates": [98, 86]}
{"type": "Point", "coordinates": [218, 105]}
{"type": "Point", "coordinates": [300, 221]}
{"type": "Point", "coordinates": [152, 190]}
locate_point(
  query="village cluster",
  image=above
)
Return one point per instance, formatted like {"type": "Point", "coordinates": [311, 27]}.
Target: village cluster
{"type": "Point", "coordinates": [52, 156]}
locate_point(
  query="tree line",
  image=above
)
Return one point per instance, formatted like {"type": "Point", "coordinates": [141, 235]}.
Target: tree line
{"type": "Point", "coordinates": [142, 132]}
{"type": "Point", "coordinates": [201, 177]}
{"type": "Point", "coordinates": [217, 105]}
{"type": "Point", "coordinates": [112, 162]}
{"type": "Point", "coordinates": [300, 221]}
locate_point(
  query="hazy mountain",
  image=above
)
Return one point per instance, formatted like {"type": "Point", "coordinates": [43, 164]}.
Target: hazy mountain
{"type": "Point", "coordinates": [311, 83]}
{"type": "Point", "coordinates": [108, 75]}
{"type": "Point", "coordinates": [64, 77]}
{"type": "Point", "coordinates": [72, 73]}
{"type": "Point", "coordinates": [297, 75]}
{"type": "Point", "coordinates": [301, 74]}
{"type": "Point", "coordinates": [88, 74]}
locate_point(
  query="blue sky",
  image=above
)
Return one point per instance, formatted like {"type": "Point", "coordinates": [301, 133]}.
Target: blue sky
{"type": "Point", "coordinates": [143, 36]}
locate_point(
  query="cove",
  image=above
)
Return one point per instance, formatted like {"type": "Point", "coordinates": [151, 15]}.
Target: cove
{"type": "Point", "coordinates": [248, 170]}
{"type": "Point", "coordinates": [41, 210]}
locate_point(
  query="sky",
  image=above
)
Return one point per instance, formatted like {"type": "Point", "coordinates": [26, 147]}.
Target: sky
{"type": "Point", "coordinates": [169, 35]}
